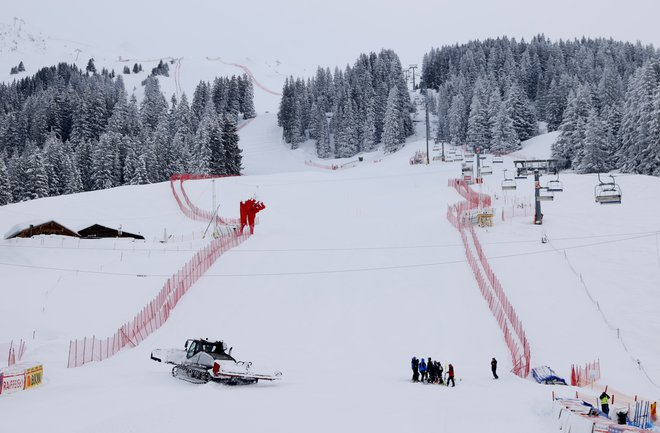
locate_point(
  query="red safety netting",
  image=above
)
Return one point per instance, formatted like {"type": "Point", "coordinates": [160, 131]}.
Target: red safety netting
{"type": "Point", "coordinates": [189, 209]}
{"type": "Point", "coordinates": [585, 375]}
{"type": "Point", "coordinates": [154, 314]}
{"type": "Point", "coordinates": [489, 285]}
{"type": "Point", "coordinates": [15, 352]}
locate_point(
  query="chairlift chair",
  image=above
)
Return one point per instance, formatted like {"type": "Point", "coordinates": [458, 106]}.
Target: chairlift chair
{"type": "Point", "coordinates": [486, 169]}
{"type": "Point", "coordinates": [607, 192]}
{"type": "Point", "coordinates": [521, 174]}
{"type": "Point", "coordinates": [545, 194]}
{"type": "Point", "coordinates": [555, 185]}
{"type": "Point", "coordinates": [498, 160]}
{"type": "Point", "coordinates": [508, 184]}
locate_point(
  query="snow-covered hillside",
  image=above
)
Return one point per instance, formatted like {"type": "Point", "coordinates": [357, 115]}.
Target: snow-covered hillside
{"type": "Point", "coordinates": [350, 273]}
{"type": "Point", "coordinates": [19, 42]}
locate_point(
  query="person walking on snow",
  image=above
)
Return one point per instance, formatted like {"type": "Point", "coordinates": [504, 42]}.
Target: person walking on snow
{"type": "Point", "coordinates": [605, 403]}
{"type": "Point", "coordinates": [493, 368]}
{"type": "Point", "coordinates": [450, 375]}
{"type": "Point", "coordinates": [414, 364]}
{"type": "Point", "coordinates": [422, 369]}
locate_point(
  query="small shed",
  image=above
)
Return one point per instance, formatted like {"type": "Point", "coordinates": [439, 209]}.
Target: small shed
{"type": "Point", "coordinates": [48, 228]}
{"type": "Point", "coordinates": [97, 231]}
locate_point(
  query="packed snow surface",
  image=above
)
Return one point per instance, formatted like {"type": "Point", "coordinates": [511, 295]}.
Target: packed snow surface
{"type": "Point", "coordinates": [350, 273]}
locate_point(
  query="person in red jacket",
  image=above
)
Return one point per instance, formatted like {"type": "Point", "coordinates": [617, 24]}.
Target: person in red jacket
{"type": "Point", "coordinates": [252, 207]}
{"type": "Point", "coordinates": [450, 375]}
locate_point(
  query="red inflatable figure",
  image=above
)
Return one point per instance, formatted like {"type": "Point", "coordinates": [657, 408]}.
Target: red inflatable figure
{"type": "Point", "coordinates": [249, 210]}
{"type": "Point", "coordinates": [243, 216]}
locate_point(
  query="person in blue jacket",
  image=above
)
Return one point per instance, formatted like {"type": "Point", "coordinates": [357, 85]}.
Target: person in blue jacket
{"type": "Point", "coordinates": [422, 369]}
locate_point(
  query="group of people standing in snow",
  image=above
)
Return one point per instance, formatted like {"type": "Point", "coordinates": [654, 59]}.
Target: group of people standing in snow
{"type": "Point", "coordinates": [431, 372]}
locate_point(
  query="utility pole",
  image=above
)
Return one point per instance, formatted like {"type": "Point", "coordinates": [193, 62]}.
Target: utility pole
{"type": "Point", "coordinates": [215, 219]}
{"type": "Point", "coordinates": [538, 216]}
{"type": "Point", "coordinates": [426, 110]}
{"type": "Point", "coordinates": [413, 67]}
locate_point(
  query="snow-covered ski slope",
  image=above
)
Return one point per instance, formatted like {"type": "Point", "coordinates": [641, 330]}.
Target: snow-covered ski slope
{"type": "Point", "coordinates": [349, 274]}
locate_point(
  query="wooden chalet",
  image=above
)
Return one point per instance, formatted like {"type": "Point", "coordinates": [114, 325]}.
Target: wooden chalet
{"type": "Point", "coordinates": [97, 231]}
{"type": "Point", "coordinates": [47, 228]}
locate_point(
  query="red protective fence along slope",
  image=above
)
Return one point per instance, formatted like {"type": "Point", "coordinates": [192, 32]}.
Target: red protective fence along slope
{"type": "Point", "coordinates": [489, 285]}
{"type": "Point", "coordinates": [154, 314]}
{"type": "Point", "coordinates": [189, 209]}
{"type": "Point", "coordinates": [584, 376]}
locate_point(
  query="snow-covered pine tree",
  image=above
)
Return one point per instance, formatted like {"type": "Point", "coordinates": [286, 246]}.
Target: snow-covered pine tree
{"type": "Point", "coordinates": [392, 125]}
{"type": "Point", "coordinates": [201, 98]}
{"type": "Point", "coordinates": [233, 99]}
{"type": "Point", "coordinates": [233, 157]}
{"type": "Point", "coordinates": [84, 160]}
{"type": "Point", "coordinates": [322, 132]}
{"type": "Point", "coordinates": [218, 162]}
{"type": "Point", "coordinates": [571, 138]}
{"type": "Point", "coordinates": [369, 127]}
{"type": "Point", "coordinates": [524, 119]}
{"type": "Point", "coordinates": [457, 120]}
{"type": "Point", "coordinates": [105, 160]}
{"type": "Point", "coordinates": [296, 132]}
{"type": "Point", "coordinates": [478, 130]}
{"type": "Point", "coordinates": [154, 104]}
{"type": "Point", "coordinates": [219, 94]}
{"type": "Point", "coordinates": [594, 156]}
{"type": "Point", "coordinates": [638, 152]}
{"type": "Point", "coordinates": [248, 98]}
{"type": "Point", "coordinates": [90, 66]}
{"type": "Point", "coordinates": [35, 174]}
{"type": "Point", "coordinates": [5, 183]}
{"type": "Point", "coordinates": [17, 166]}
{"type": "Point", "coordinates": [504, 138]}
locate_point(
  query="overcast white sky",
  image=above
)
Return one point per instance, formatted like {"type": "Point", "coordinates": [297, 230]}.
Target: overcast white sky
{"type": "Point", "coordinates": [331, 32]}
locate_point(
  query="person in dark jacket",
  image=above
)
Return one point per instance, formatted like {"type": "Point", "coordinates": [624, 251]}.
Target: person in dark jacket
{"type": "Point", "coordinates": [439, 367]}
{"type": "Point", "coordinates": [450, 375]}
{"type": "Point", "coordinates": [415, 368]}
{"type": "Point", "coordinates": [422, 369]}
{"type": "Point", "coordinates": [430, 366]}
{"type": "Point", "coordinates": [493, 368]}
{"type": "Point", "coordinates": [605, 403]}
